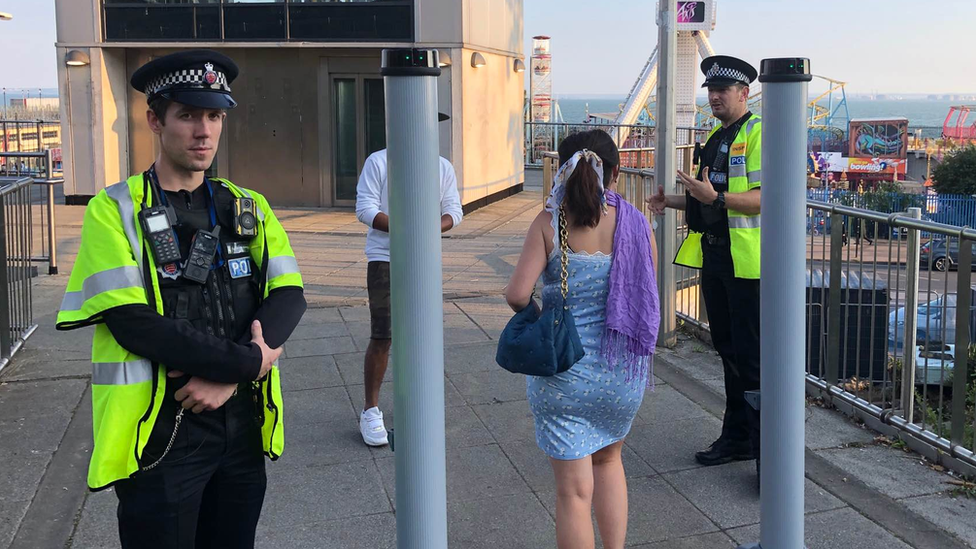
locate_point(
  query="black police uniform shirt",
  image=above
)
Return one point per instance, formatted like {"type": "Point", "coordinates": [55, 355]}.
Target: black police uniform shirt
{"type": "Point", "coordinates": [704, 218]}
{"type": "Point", "coordinates": [196, 335]}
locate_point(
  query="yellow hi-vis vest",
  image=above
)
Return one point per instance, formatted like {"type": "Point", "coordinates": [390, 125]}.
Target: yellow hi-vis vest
{"type": "Point", "coordinates": [745, 173]}
{"type": "Point", "coordinates": [112, 268]}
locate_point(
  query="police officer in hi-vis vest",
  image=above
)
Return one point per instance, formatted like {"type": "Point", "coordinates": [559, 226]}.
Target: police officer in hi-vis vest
{"type": "Point", "coordinates": [722, 211]}
{"type": "Point", "coordinates": [192, 287]}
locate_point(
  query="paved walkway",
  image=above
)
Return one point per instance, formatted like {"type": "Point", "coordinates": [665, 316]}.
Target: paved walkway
{"type": "Point", "coordinates": [329, 490]}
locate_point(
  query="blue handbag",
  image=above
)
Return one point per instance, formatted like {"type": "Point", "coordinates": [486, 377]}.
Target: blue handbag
{"type": "Point", "coordinates": [543, 343]}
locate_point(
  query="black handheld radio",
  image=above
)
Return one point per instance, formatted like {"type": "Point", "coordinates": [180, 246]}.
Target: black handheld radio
{"type": "Point", "coordinates": [157, 225]}
{"type": "Point", "coordinates": [203, 247]}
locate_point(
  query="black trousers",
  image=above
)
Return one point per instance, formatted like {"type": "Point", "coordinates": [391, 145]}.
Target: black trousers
{"type": "Point", "coordinates": [732, 305]}
{"type": "Point", "coordinates": [207, 492]}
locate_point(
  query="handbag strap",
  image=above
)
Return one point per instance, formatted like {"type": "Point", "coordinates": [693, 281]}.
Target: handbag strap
{"type": "Point", "coordinates": [564, 254]}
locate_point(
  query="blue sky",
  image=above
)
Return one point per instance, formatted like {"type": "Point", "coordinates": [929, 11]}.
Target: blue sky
{"type": "Point", "coordinates": [894, 46]}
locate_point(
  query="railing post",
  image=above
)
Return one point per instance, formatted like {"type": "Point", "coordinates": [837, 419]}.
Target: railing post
{"type": "Point", "coordinates": [961, 359]}
{"type": "Point", "coordinates": [5, 340]}
{"type": "Point", "coordinates": [911, 315]}
{"type": "Point", "coordinates": [834, 274]}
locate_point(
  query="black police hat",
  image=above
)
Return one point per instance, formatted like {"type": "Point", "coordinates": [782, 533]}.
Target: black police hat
{"type": "Point", "coordinates": [723, 71]}
{"type": "Point", "coordinates": [199, 78]}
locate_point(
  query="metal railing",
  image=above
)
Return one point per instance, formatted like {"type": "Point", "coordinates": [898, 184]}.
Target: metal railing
{"type": "Point", "coordinates": [638, 151]}
{"type": "Point", "coordinates": [890, 338]}
{"type": "Point", "coordinates": [16, 314]}
{"type": "Point", "coordinates": [39, 166]}
{"type": "Point", "coordinates": [889, 334]}
{"type": "Point", "coordinates": [29, 135]}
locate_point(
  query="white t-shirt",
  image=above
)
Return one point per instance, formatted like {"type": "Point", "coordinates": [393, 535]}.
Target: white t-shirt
{"type": "Point", "coordinates": [372, 198]}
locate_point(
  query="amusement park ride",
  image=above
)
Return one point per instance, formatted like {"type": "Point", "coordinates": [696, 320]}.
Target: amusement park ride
{"type": "Point", "coordinates": [828, 113]}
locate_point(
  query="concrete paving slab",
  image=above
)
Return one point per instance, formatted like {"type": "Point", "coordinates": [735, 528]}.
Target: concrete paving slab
{"type": "Point", "coordinates": [355, 314]}
{"type": "Point", "coordinates": [463, 428]}
{"type": "Point", "coordinates": [892, 472]}
{"type": "Point", "coordinates": [496, 385]}
{"type": "Point", "coordinates": [360, 332]}
{"type": "Point", "coordinates": [838, 529]}
{"type": "Point", "coordinates": [315, 372]}
{"type": "Point", "coordinates": [508, 421]}
{"type": "Point", "coordinates": [701, 366]}
{"type": "Point", "coordinates": [664, 404]}
{"type": "Point", "coordinates": [473, 473]}
{"type": "Point", "coordinates": [41, 365]}
{"type": "Point", "coordinates": [376, 531]}
{"type": "Point", "coordinates": [35, 414]}
{"type": "Point", "coordinates": [351, 367]}
{"type": "Point", "coordinates": [318, 406]}
{"type": "Point", "coordinates": [671, 446]}
{"type": "Point", "coordinates": [830, 429]}
{"type": "Point", "coordinates": [514, 521]}
{"type": "Point", "coordinates": [954, 514]}
{"type": "Point", "coordinates": [98, 527]}
{"type": "Point", "coordinates": [463, 359]}
{"type": "Point", "coordinates": [309, 330]}
{"type": "Point", "coordinates": [533, 464]}
{"type": "Point", "coordinates": [322, 315]}
{"type": "Point", "coordinates": [717, 540]}
{"type": "Point", "coordinates": [321, 444]}
{"type": "Point", "coordinates": [728, 495]}
{"type": "Point", "coordinates": [314, 494]}
{"type": "Point", "coordinates": [319, 347]}
{"type": "Point", "coordinates": [655, 512]}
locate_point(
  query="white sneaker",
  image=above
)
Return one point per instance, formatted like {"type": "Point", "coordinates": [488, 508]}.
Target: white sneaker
{"type": "Point", "coordinates": [372, 428]}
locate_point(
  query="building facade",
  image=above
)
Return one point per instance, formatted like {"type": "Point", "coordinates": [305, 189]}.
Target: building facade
{"type": "Point", "coordinates": [310, 95]}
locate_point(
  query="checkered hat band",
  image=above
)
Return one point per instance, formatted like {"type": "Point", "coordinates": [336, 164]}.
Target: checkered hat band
{"type": "Point", "coordinates": [723, 72]}
{"type": "Point", "coordinates": [189, 78]}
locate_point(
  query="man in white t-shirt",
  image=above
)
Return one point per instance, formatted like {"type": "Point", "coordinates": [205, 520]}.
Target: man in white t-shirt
{"type": "Point", "coordinates": [372, 208]}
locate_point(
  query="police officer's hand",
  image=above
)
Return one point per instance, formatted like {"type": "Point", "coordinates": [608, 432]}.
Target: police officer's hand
{"type": "Point", "coordinates": [658, 202]}
{"type": "Point", "coordinates": [268, 355]}
{"type": "Point", "coordinates": [701, 190]}
{"type": "Point", "coordinates": [201, 394]}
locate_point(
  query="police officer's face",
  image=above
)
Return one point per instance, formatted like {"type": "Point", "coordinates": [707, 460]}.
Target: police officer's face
{"type": "Point", "coordinates": [727, 101]}
{"type": "Point", "coordinates": [189, 136]}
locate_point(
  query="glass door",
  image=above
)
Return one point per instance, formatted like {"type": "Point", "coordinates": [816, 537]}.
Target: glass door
{"type": "Point", "coordinates": [359, 130]}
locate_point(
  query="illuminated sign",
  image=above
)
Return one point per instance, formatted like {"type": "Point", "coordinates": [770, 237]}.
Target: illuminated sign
{"type": "Point", "coordinates": [695, 16]}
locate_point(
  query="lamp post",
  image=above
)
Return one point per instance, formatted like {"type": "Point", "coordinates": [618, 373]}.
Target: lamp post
{"type": "Point", "coordinates": [410, 78]}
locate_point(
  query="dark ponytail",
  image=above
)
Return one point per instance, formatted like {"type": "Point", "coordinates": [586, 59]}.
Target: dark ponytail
{"type": "Point", "coordinates": [583, 189]}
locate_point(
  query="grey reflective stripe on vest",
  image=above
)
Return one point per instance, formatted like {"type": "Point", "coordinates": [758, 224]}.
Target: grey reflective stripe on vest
{"type": "Point", "coordinates": [120, 193]}
{"type": "Point", "coordinates": [749, 222]}
{"type": "Point", "coordinates": [282, 265]}
{"type": "Point", "coordinates": [118, 278]}
{"type": "Point", "coordinates": [755, 176]}
{"type": "Point", "coordinates": [739, 170]}
{"type": "Point", "coordinates": [121, 373]}
{"type": "Point", "coordinates": [752, 122]}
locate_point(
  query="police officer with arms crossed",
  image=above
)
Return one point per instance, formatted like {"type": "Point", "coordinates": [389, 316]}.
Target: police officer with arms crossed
{"type": "Point", "coordinates": [722, 211]}
{"type": "Point", "coordinates": [192, 287]}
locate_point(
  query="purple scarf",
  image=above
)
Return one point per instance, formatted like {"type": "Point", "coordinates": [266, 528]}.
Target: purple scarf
{"type": "Point", "coordinates": [633, 309]}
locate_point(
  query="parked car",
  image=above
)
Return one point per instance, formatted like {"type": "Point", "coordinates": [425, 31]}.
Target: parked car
{"type": "Point", "coordinates": [932, 316]}
{"type": "Point", "coordinates": [942, 256]}
{"type": "Point", "coordinates": [934, 363]}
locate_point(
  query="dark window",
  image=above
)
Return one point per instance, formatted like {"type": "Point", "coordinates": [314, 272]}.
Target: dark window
{"type": "Point", "coordinates": [254, 22]}
{"type": "Point", "coordinates": [26, 136]}
{"type": "Point", "coordinates": [49, 135]}
{"type": "Point", "coordinates": [328, 21]}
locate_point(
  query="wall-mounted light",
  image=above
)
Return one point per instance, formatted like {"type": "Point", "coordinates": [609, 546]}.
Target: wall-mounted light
{"type": "Point", "coordinates": [519, 66]}
{"type": "Point", "coordinates": [4, 16]}
{"type": "Point", "coordinates": [444, 58]}
{"type": "Point", "coordinates": [478, 60]}
{"type": "Point", "coordinates": [76, 58]}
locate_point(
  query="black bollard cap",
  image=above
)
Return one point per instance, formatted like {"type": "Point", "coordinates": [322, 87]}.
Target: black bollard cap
{"type": "Point", "coordinates": [785, 69]}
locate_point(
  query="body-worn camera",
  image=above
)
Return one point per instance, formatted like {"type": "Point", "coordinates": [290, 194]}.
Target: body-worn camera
{"type": "Point", "coordinates": [245, 218]}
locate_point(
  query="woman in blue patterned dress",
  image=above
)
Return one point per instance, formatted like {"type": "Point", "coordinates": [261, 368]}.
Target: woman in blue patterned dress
{"type": "Point", "coordinates": [582, 415]}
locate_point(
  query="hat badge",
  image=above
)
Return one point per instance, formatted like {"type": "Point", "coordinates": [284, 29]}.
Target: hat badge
{"type": "Point", "coordinates": [210, 77]}
{"type": "Point", "coordinates": [714, 70]}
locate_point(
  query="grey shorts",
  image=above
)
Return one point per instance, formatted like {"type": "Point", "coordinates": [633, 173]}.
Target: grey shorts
{"type": "Point", "coordinates": [378, 288]}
